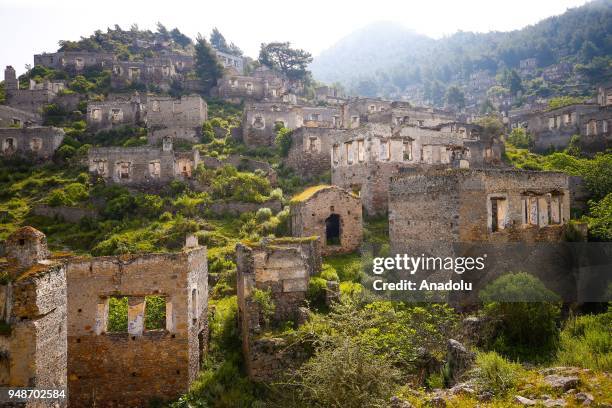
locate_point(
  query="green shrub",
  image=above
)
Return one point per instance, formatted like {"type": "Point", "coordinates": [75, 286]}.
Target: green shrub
{"type": "Point", "coordinates": [117, 314]}
{"type": "Point", "coordinates": [276, 194]}
{"type": "Point", "coordinates": [496, 374]}
{"type": "Point", "coordinates": [283, 140]}
{"type": "Point", "coordinates": [57, 198]}
{"type": "Point", "coordinates": [520, 138]}
{"type": "Point", "coordinates": [263, 214]}
{"type": "Point", "coordinates": [524, 314]}
{"type": "Point", "coordinates": [600, 219]}
{"type": "Point", "coordinates": [346, 374]}
{"type": "Point", "coordinates": [586, 341]}
{"type": "Point", "coordinates": [155, 312]}
{"type": "Point", "coordinates": [264, 300]}
{"type": "Point", "coordinates": [329, 273]}
{"type": "Point", "coordinates": [317, 287]}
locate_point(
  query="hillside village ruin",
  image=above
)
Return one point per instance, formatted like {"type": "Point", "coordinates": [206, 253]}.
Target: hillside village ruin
{"type": "Point", "coordinates": [434, 174]}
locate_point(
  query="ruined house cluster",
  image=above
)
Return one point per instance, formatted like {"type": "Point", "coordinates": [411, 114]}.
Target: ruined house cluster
{"type": "Point", "coordinates": [55, 316]}
{"type": "Point", "coordinates": [555, 127]}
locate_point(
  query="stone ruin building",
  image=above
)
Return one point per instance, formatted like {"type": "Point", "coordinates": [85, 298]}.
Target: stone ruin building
{"type": "Point", "coordinates": [37, 142]}
{"type": "Point", "coordinates": [331, 213]}
{"type": "Point", "coordinates": [131, 367]}
{"type": "Point", "coordinates": [12, 117]}
{"type": "Point", "coordinates": [517, 218]}
{"type": "Point", "coordinates": [143, 164]}
{"type": "Point", "coordinates": [228, 60]}
{"type": "Point", "coordinates": [157, 72]}
{"type": "Point", "coordinates": [75, 60]}
{"type": "Point", "coordinates": [33, 348]}
{"type": "Point", "coordinates": [404, 114]}
{"type": "Point", "coordinates": [177, 118]}
{"type": "Point", "coordinates": [54, 315]}
{"type": "Point", "coordinates": [283, 267]}
{"type": "Point", "coordinates": [37, 95]}
{"type": "Point", "coordinates": [262, 119]}
{"type": "Point", "coordinates": [116, 110]}
{"type": "Point", "coordinates": [263, 84]}
{"type": "Point", "coordinates": [366, 158]}
{"type": "Point", "coordinates": [330, 95]}
{"type": "Point", "coordinates": [555, 127]}
{"type": "Point", "coordinates": [309, 154]}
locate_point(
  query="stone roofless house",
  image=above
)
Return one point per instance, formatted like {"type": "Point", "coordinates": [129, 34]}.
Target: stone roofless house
{"type": "Point", "coordinates": [131, 367]}
{"type": "Point", "coordinates": [331, 213]}
{"type": "Point", "coordinates": [75, 60]}
{"type": "Point", "coordinates": [284, 267]}
{"type": "Point", "coordinates": [118, 110]}
{"type": "Point", "coordinates": [143, 164]}
{"type": "Point", "coordinates": [366, 158]}
{"type": "Point", "coordinates": [33, 315]}
{"type": "Point", "coordinates": [157, 72]}
{"type": "Point", "coordinates": [177, 118]}
{"type": "Point", "coordinates": [38, 142]}
{"type": "Point", "coordinates": [516, 219]}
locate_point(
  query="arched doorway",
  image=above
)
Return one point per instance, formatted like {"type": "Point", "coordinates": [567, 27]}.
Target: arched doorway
{"type": "Point", "coordinates": [332, 230]}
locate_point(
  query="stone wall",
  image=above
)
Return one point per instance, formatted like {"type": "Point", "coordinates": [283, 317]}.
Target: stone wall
{"type": "Point", "coordinates": [142, 165]}
{"type": "Point", "coordinates": [70, 214]}
{"type": "Point", "coordinates": [366, 158]}
{"type": "Point", "coordinates": [38, 142]}
{"type": "Point", "coordinates": [119, 111]}
{"type": "Point", "coordinates": [283, 267]}
{"type": "Point", "coordinates": [455, 205]}
{"type": "Point", "coordinates": [180, 118]}
{"type": "Point", "coordinates": [157, 72]}
{"type": "Point", "coordinates": [325, 211]}
{"type": "Point", "coordinates": [310, 151]}
{"type": "Point", "coordinates": [516, 219]}
{"type": "Point", "coordinates": [237, 208]}
{"type": "Point", "coordinates": [75, 60]}
{"type": "Point", "coordinates": [129, 369]}
{"type": "Point", "coordinates": [260, 119]}
{"type": "Point", "coordinates": [33, 306]}
{"type": "Point", "coordinates": [17, 117]}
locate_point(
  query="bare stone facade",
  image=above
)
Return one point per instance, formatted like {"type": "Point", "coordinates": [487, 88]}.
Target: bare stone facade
{"type": "Point", "coordinates": [235, 62]}
{"type": "Point", "coordinates": [33, 351]}
{"type": "Point", "coordinates": [484, 205]}
{"type": "Point", "coordinates": [32, 99]}
{"type": "Point", "coordinates": [75, 60]}
{"type": "Point", "coordinates": [177, 118]}
{"type": "Point", "coordinates": [367, 157]}
{"type": "Point", "coordinates": [127, 369]}
{"type": "Point", "coordinates": [283, 267]}
{"type": "Point", "coordinates": [263, 84]}
{"type": "Point", "coordinates": [555, 128]}
{"type": "Point", "coordinates": [309, 154]}
{"type": "Point", "coordinates": [515, 219]}
{"type": "Point", "coordinates": [330, 95]}
{"type": "Point", "coordinates": [403, 114]}
{"type": "Point", "coordinates": [17, 117]}
{"type": "Point", "coordinates": [118, 110]}
{"type": "Point", "coordinates": [142, 165]}
{"type": "Point", "coordinates": [151, 72]}
{"type": "Point", "coordinates": [331, 213]}
{"type": "Point", "coordinates": [261, 119]}
{"type": "Point", "coordinates": [38, 142]}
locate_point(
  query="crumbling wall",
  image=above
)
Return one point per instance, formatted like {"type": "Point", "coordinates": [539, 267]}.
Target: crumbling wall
{"type": "Point", "coordinates": [309, 154]}
{"type": "Point", "coordinates": [316, 213]}
{"type": "Point", "coordinates": [38, 142]}
{"type": "Point", "coordinates": [33, 315]}
{"type": "Point", "coordinates": [260, 121]}
{"type": "Point", "coordinates": [17, 117]}
{"type": "Point", "coordinates": [129, 369]}
{"type": "Point", "coordinates": [116, 112]}
{"type": "Point", "coordinates": [283, 267]}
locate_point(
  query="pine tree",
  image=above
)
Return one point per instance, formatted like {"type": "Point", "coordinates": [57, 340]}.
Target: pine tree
{"type": "Point", "coordinates": [207, 67]}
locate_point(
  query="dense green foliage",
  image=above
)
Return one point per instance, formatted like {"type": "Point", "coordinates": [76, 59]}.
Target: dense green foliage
{"type": "Point", "coordinates": [207, 67]}
{"type": "Point", "coordinates": [496, 374]}
{"type": "Point", "coordinates": [586, 341]}
{"type": "Point", "coordinates": [117, 315]}
{"type": "Point", "coordinates": [523, 314]}
{"type": "Point", "coordinates": [383, 58]}
{"type": "Point", "coordinates": [291, 61]}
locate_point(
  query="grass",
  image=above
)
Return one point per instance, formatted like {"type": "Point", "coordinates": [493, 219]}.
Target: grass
{"type": "Point", "coordinates": [586, 341]}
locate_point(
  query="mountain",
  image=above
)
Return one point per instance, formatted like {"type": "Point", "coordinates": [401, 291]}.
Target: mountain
{"type": "Point", "coordinates": [385, 59]}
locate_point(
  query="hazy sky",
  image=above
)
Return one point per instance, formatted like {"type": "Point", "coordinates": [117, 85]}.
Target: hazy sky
{"type": "Point", "coordinates": [34, 26]}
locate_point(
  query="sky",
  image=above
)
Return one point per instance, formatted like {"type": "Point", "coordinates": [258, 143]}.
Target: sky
{"type": "Point", "coordinates": [33, 26]}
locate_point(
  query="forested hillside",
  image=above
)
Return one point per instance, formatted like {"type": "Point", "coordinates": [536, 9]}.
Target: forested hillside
{"type": "Point", "coordinates": [384, 59]}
